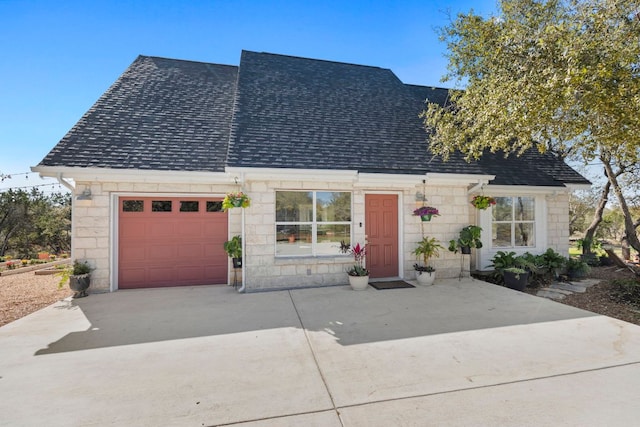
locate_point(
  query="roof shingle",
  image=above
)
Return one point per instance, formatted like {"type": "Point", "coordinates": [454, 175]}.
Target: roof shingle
{"type": "Point", "coordinates": [161, 114]}
{"type": "Point", "coordinates": [275, 111]}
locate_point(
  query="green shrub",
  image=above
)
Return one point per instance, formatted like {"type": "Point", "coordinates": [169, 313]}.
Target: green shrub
{"type": "Point", "coordinates": [551, 261]}
{"type": "Point", "coordinates": [626, 291]}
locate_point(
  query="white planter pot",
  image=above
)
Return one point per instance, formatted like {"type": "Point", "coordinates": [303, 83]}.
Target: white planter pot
{"type": "Point", "coordinates": [425, 278]}
{"type": "Point", "coordinates": [359, 283]}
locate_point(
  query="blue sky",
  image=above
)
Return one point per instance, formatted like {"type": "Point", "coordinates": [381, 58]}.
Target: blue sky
{"type": "Point", "coordinates": [58, 57]}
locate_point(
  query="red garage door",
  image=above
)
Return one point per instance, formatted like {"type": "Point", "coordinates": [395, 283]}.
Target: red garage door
{"type": "Point", "coordinates": [165, 241]}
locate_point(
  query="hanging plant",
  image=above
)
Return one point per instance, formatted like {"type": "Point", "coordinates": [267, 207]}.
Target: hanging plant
{"type": "Point", "coordinates": [426, 212]}
{"type": "Point", "coordinates": [483, 202]}
{"type": "Point", "coordinates": [236, 200]}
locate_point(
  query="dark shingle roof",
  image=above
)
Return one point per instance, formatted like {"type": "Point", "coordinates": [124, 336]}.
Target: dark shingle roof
{"type": "Point", "coordinates": [161, 114]}
{"type": "Point", "coordinates": [274, 111]}
{"type": "Point", "coordinates": [304, 113]}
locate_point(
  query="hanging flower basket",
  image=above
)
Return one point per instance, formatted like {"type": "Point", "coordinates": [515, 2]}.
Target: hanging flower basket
{"type": "Point", "coordinates": [483, 202]}
{"type": "Point", "coordinates": [236, 200]}
{"type": "Point", "coordinates": [426, 212]}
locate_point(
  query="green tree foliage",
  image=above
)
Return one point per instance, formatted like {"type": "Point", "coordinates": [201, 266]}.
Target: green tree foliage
{"type": "Point", "coordinates": [559, 76]}
{"type": "Point", "coordinates": [33, 221]}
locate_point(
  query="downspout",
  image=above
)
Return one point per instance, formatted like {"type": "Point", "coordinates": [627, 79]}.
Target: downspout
{"type": "Point", "coordinates": [476, 187]}
{"type": "Point", "coordinates": [65, 183]}
{"type": "Point", "coordinates": [244, 245]}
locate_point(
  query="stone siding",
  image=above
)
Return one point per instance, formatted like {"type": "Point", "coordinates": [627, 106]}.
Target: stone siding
{"type": "Point", "coordinates": [93, 228]}
{"type": "Point", "coordinates": [558, 223]}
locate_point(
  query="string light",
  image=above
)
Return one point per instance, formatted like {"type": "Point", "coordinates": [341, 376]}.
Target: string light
{"type": "Point", "coordinates": [5, 177]}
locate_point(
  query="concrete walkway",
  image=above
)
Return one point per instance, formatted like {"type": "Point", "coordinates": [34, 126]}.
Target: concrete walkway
{"type": "Point", "coordinates": [460, 353]}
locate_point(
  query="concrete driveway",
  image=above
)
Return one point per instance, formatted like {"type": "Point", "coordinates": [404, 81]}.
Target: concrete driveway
{"type": "Point", "coordinates": [460, 353]}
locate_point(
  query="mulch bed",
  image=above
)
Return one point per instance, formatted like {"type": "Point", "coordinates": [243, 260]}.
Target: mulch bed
{"type": "Point", "coordinates": [598, 298]}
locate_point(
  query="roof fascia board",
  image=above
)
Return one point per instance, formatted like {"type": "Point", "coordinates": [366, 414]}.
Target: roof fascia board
{"type": "Point", "coordinates": [133, 175]}
{"type": "Point", "coordinates": [457, 178]}
{"type": "Point", "coordinates": [523, 189]}
{"type": "Point", "coordinates": [388, 180]}
{"type": "Point", "coordinates": [279, 174]}
{"type": "Point", "coordinates": [578, 187]}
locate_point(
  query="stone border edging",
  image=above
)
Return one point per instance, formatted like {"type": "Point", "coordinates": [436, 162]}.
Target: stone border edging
{"type": "Point", "coordinates": [34, 267]}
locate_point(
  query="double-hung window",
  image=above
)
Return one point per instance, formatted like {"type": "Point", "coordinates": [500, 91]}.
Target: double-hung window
{"type": "Point", "coordinates": [311, 223]}
{"type": "Point", "coordinates": [513, 222]}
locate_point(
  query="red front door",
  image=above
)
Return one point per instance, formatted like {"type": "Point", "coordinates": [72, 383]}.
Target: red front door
{"type": "Point", "coordinates": [381, 214]}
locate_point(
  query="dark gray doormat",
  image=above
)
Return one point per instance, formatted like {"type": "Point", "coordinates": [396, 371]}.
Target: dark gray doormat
{"type": "Point", "coordinates": [397, 284]}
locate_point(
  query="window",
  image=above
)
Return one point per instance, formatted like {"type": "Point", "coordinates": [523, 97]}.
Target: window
{"type": "Point", "coordinates": [513, 222]}
{"type": "Point", "coordinates": [132, 206]}
{"type": "Point", "coordinates": [214, 206]}
{"type": "Point", "coordinates": [310, 223]}
{"type": "Point", "coordinates": [161, 206]}
{"type": "Point", "coordinates": [189, 206]}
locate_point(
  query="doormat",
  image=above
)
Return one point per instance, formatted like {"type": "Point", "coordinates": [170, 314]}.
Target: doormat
{"type": "Point", "coordinates": [397, 284]}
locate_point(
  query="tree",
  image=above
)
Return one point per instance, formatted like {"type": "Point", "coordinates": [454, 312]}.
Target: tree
{"type": "Point", "coordinates": [33, 221]}
{"type": "Point", "coordinates": [559, 76]}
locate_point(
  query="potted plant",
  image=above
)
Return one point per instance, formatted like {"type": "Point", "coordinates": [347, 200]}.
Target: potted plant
{"type": "Point", "coordinates": [483, 202]}
{"type": "Point", "coordinates": [78, 276]}
{"type": "Point", "coordinates": [233, 248]}
{"type": "Point", "coordinates": [576, 268]}
{"type": "Point", "coordinates": [515, 278]}
{"type": "Point", "coordinates": [358, 274]}
{"type": "Point", "coordinates": [426, 212]}
{"type": "Point", "coordinates": [469, 237]}
{"type": "Point", "coordinates": [236, 200]}
{"type": "Point", "coordinates": [513, 269]}
{"type": "Point", "coordinates": [428, 247]}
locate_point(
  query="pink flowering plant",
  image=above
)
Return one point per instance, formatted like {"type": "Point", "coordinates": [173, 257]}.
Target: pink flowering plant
{"type": "Point", "coordinates": [359, 254]}
{"type": "Point", "coordinates": [426, 210]}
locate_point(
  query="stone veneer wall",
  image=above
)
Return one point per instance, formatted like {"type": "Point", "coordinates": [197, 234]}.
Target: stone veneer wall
{"type": "Point", "coordinates": [91, 228]}
{"type": "Point", "coordinates": [264, 271]}
{"type": "Point", "coordinates": [558, 223]}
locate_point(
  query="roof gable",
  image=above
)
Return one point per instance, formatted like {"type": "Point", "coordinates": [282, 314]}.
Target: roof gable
{"type": "Point", "coordinates": [161, 114]}
{"type": "Point", "coordinates": [303, 113]}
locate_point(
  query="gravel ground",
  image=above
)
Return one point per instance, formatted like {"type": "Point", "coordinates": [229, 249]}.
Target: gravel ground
{"type": "Point", "coordinates": [24, 293]}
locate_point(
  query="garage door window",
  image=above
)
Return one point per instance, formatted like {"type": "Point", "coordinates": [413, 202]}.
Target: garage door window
{"type": "Point", "coordinates": [161, 206]}
{"type": "Point", "coordinates": [189, 206]}
{"type": "Point", "coordinates": [214, 206]}
{"type": "Point", "coordinates": [133, 206]}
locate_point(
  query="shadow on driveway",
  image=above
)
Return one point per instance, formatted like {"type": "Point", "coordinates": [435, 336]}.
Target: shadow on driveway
{"type": "Point", "coordinates": [144, 316]}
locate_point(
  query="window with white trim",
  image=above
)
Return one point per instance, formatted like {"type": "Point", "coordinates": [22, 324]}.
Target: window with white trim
{"type": "Point", "coordinates": [312, 223]}
{"type": "Point", "coordinates": [513, 222]}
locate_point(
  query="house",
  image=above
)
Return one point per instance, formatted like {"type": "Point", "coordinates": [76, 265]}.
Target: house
{"type": "Point", "coordinates": [327, 152]}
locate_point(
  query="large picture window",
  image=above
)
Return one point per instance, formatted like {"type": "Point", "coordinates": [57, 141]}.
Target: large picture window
{"type": "Point", "coordinates": [513, 222]}
{"type": "Point", "coordinates": [311, 223]}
